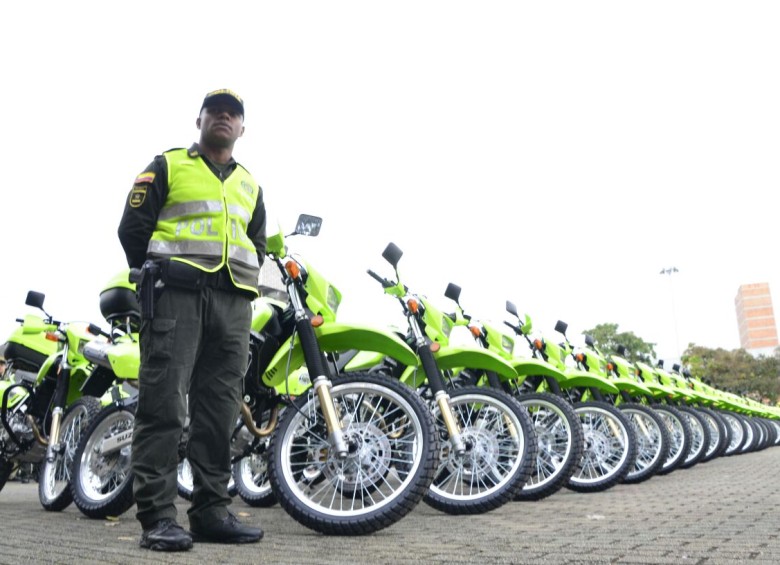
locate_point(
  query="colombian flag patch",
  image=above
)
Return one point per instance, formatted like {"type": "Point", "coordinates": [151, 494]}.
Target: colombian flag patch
{"type": "Point", "coordinates": [144, 178]}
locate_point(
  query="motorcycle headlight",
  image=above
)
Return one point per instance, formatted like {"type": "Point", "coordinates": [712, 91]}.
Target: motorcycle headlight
{"type": "Point", "coordinates": [508, 344]}
{"type": "Point", "coordinates": [333, 299]}
{"type": "Point", "coordinates": [446, 325]}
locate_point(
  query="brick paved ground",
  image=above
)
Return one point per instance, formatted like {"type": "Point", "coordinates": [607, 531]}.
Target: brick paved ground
{"type": "Point", "coordinates": [721, 512]}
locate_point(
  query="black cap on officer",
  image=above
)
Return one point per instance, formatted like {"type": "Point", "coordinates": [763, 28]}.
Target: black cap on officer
{"type": "Point", "coordinates": [224, 96]}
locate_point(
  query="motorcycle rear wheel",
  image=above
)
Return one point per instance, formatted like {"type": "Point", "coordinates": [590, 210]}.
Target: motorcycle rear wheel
{"type": "Point", "coordinates": [54, 476]}
{"type": "Point", "coordinates": [102, 483]}
{"type": "Point", "coordinates": [184, 481]}
{"type": "Point", "coordinates": [389, 466]}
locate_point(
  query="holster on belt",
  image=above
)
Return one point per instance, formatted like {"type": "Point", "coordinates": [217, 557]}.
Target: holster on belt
{"type": "Point", "coordinates": [146, 280]}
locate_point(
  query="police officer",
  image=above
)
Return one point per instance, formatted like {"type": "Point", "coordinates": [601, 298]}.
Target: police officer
{"type": "Point", "coordinates": [195, 221]}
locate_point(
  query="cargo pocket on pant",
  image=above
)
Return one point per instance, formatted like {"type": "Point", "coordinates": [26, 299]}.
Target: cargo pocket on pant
{"type": "Point", "coordinates": [163, 333]}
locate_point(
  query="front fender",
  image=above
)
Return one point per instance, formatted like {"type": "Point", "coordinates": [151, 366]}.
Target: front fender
{"type": "Point", "coordinates": [532, 367]}
{"type": "Point", "coordinates": [473, 358]}
{"type": "Point", "coordinates": [583, 379]}
{"type": "Point", "coordinates": [335, 337]}
{"type": "Point", "coordinates": [632, 387]}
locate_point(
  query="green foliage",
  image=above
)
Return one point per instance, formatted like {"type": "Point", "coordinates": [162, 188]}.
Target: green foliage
{"type": "Point", "coordinates": [608, 339]}
{"type": "Point", "coordinates": [737, 371]}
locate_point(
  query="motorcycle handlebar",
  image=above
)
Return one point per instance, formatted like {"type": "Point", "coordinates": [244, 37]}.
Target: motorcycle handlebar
{"type": "Point", "coordinates": [381, 280]}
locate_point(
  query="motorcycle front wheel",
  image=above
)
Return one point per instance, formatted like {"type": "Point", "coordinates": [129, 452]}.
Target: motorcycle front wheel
{"type": "Point", "coordinates": [610, 447]}
{"type": "Point", "coordinates": [54, 476]}
{"type": "Point", "coordinates": [500, 452]}
{"type": "Point", "coordinates": [251, 478]}
{"type": "Point", "coordinates": [652, 446]}
{"type": "Point", "coordinates": [102, 481]}
{"type": "Point", "coordinates": [700, 436]}
{"type": "Point", "coordinates": [559, 442]}
{"type": "Point", "coordinates": [392, 447]}
{"type": "Point", "coordinates": [680, 437]}
{"type": "Point", "coordinates": [737, 432]}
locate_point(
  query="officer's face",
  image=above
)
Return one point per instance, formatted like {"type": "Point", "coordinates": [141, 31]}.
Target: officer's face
{"type": "Point", "coordinates": [220, 125]}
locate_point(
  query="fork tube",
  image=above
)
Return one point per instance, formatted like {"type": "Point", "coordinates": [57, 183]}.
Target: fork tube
{"type": "Point", "coordinates": [321, 383]}
{"type": "Point", "coordinates": [60, 398]}
{"type": "Point", "coordinates": [441, 396]}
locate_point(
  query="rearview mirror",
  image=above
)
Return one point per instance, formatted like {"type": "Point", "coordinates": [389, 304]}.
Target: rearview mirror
{"type": "Point", "coordinates": [392, 254]}
{"type": "Point", "coordinates": [452, 292]}
{"type": "Point", "coordinates": [35, 299]}
{"type": "Point", "coordinates": [589, 340]}
{"type": "Point", "coordinates": [308, 225]}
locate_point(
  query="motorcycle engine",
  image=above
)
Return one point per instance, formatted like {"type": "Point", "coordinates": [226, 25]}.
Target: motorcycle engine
{"type": "Point", "coordinates": [18, 423]}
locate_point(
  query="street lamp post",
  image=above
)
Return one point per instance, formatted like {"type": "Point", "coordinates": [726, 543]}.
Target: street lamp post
{"type": "Point", "coordinates": [669, 271]}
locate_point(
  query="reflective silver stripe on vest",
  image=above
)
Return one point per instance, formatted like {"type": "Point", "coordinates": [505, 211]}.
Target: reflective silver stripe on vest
{"type": "Point", "coordinates": [181, 248]}
{"type": "Point", "coordinates": [244, 256]}
{"type": "Point", "coordinates": [240, 211]}
{"type": "Point", "coordinates": [189, 209]}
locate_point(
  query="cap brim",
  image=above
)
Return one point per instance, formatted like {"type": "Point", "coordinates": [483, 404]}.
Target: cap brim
{"type": "Point", "coordinates": [223, 99]}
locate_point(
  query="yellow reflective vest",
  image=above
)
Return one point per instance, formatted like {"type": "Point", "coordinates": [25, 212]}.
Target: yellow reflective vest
{"type": "Point", "coordinates": [204, 220]}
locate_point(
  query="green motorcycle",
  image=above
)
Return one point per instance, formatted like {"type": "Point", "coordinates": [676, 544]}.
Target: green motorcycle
{"type": "Point", "coordinates": [557, 427]}
{"type": "Point", "coordinates": [609, 451]}
{"type": "Point", "coordinates": [342, 455]}
{"type": "Point", "coordinates": [43, 414]}
{"type": "Point", "coordinates": [488, 443]}
{"type": "Point", "coordinates": [650, 429]}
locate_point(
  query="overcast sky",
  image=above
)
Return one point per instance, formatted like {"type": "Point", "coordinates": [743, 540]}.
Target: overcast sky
{"type": "Point", "coordinates": [557, 154]}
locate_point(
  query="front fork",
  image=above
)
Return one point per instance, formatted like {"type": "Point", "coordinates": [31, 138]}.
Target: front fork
{"type": "Point", "coordinates": [60, 397]}
{"type": "Point", "coordinates": [321, 381]}
{"type": "Point", "coordinates": [440, 395]}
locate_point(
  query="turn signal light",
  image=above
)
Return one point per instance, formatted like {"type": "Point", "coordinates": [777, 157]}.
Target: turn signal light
{"type": "Point", "coordinates": [293, 269]}
{"type": "Point", "coordinates": [475, 331]}
{"type": "Point", "coordinates": [538, 344]}
{"type": "Point", "coordinates": [413, 305]}
{"type": "Point", "coordinates": [435, 347]}
{"type": "Point", "coordinates": [317, 321]}
{"type": "Point", "coordinates": [51, 336]}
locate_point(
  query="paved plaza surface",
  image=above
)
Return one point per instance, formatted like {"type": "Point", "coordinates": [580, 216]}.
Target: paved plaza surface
{"type": "Point", "coordinates": [725, 511]}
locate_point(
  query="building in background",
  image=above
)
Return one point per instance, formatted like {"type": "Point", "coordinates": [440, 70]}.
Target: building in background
{"type": "Point", "coordinates": [756, 319]}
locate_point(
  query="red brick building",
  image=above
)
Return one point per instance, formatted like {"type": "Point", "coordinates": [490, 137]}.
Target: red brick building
{"type": "Point", "coordinates": [756, 318]}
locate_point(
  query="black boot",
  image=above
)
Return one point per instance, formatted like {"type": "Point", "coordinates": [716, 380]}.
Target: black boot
{"type": "Point", "coordinates": [228, 530]}
{"type": "Point", "coordinates": [166, 535]}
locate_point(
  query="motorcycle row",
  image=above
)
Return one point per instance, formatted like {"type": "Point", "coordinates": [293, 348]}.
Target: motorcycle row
{"type": "Point", "coordinates": [348, 427]}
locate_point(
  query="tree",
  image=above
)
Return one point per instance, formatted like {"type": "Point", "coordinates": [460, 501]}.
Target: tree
{"type": "Point", "coordinates": [736, 371]}
{"type": "Point", "coordinates": [607, 339]}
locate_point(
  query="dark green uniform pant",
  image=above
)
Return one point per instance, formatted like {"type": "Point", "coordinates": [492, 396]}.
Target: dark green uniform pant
{"type": "Point", "coordinates": [193, 356]}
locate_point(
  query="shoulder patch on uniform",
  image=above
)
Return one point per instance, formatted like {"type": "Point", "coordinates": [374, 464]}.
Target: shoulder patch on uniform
{"type": "Point", "coordinates": [137, 195]}
{"type": "Point", "coordinates": [145, 178]}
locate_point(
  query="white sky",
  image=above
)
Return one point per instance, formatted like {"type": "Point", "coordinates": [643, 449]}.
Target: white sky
{"type": "Point", "coordinates": [557, 154]}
